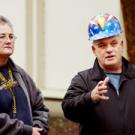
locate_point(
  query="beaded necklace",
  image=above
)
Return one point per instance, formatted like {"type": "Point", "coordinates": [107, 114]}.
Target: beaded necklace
{"type": "Point", "coordinates": [9, 84]}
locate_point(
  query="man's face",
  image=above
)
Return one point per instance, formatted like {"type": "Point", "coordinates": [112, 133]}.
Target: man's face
{"type": "Point", "coordinates": [109, 52]}
{"type": "Point", "coordinates": [6, 41]}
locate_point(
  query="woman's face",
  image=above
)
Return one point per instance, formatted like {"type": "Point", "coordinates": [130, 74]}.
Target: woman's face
{"type": "Point", "coordinates": [6, 40]}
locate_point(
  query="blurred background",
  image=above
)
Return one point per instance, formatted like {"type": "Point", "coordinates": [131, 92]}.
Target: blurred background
{"type": "Point", "coordinates": [52, 44]}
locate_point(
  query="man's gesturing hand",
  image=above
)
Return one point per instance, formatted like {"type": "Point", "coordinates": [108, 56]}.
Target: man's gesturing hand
{"type": "Point", "coordinates": [98, 92]}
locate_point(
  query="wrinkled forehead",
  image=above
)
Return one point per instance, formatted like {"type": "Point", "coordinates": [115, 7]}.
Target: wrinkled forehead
{"type": "Point", "coordinates": [108, 39]}
{"type": "Point", "coordinates": [5, 28]}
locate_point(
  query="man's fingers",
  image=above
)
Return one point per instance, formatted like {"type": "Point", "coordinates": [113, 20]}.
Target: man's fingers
{"type": "Point", "coordinates": [103, 97]}
{"type": "Point", "coordinates": [106, 80]}
{"type": "Point", "coordinates": [102, 92]}
{"type": "Point", "coordinates": [103, 87]}
{"type": "Point", "coordinates": [100, 83]}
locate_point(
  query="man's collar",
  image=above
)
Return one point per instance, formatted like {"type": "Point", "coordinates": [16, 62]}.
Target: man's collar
{"type": "Point", "coordinates": [128, 70]}
{"type": "Point", "coordinates": [97, 71]}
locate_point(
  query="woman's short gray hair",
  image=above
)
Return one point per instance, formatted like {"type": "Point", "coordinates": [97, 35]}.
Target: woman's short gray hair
{"type": "Point", "coordinates": [4, 20]}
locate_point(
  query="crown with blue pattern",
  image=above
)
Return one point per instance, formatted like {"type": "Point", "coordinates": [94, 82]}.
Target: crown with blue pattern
{"type": "Point", "coordinates": [103, 26]}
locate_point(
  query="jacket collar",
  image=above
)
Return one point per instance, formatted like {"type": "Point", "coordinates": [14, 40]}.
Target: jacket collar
{"type": "Point", "coordinates": [12, 65]}
{"type": "Point", "coordinates": [97, 72]}
{"type": "Point", "coordinates": [128, 70]}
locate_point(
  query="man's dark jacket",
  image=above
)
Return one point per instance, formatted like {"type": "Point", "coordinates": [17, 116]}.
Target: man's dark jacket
{"type": "Point", "coordinates": [115, 116]}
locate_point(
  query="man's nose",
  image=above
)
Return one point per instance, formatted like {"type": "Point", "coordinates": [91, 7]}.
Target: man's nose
{"type": "Point", "coordinates": [109, 48]}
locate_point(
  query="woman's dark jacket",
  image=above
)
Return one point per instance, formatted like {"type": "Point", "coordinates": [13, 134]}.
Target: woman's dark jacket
{"type": "Point", "coordinates": [37, 109]}
{"type": "Point", "coordinates": [115, 116]}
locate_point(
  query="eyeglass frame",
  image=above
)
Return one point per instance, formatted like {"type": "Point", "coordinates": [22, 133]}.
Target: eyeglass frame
{"type": "Point", "coordinates": [10, 36]}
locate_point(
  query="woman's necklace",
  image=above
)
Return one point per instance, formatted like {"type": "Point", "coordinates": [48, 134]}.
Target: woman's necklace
{"type": "Point", "coordinates": [9, 84]}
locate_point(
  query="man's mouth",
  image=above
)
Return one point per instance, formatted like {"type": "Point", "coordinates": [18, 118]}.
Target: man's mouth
{"type": "Point", "coordinates": [110, 57]}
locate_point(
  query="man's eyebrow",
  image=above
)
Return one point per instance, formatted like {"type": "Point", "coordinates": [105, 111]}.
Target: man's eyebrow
{"type": "Point", "coordinates": [114, 40]}
{"type": "Point", "coordinates": [99, 43]}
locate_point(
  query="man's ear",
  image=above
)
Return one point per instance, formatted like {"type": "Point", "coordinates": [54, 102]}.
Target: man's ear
{"type": "Point", "coordinates": [93, 49]}
{"type": "Point", "coordinates": [122, 44]}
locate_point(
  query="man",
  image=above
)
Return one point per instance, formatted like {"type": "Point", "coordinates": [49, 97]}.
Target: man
{"type": "Point", "coordinates": [101, 99]}
{"type": "Point", "coordinates": [22, 111]}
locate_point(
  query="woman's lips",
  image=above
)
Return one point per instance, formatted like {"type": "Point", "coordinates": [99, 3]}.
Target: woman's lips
{"type": "Point", "coordinates": [8, 46]}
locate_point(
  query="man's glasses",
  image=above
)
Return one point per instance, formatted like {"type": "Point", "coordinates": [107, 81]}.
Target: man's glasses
{"type": "Point", "coordinates": [4, 37]}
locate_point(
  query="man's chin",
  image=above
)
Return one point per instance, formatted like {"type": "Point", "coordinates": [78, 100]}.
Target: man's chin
{"type": "Point", "coordinates": [111, 63]}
